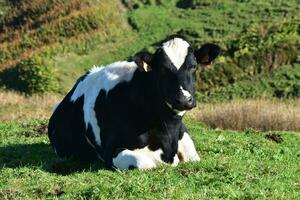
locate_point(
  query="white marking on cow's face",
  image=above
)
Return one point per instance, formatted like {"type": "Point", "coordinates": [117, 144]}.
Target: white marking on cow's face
{"type": "Point", "coordinates": [186, 149]}
{"type": "Point", "coordinates": [185, 92]}
{"type": "Point", "coordinates": [177, 50]}
{"type": "Point", "coordinates": [99, 78]}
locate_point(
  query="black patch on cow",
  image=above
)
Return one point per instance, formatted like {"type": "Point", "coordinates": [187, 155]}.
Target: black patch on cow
{"type": "Point", "coordinates": [66, 129]}
{"type": "Point", "coordinates": [132, 167]}
{"type": "Point", "coordinates": [117, 151]}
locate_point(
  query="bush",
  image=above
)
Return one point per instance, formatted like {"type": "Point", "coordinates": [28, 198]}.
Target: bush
{"type": "Point", "coordinates": [135, 4]}
{"type": "Point", "coordinates": [283, 83]}
{"type": "Point", "coordinates": [36, 76]}
{"type": "Point", "coordinates": [32, 75]}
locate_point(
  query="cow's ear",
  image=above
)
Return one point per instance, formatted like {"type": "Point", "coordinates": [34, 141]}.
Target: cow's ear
{"type": "Point", "coordinates": [207, 53]}
{"type": "Point", "coordinates": [143, 60]}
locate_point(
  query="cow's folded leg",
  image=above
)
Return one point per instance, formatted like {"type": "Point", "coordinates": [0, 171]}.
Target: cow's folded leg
{"type": "Point", "coordinates": [130, 159]}
{"type": "Point", "coordinates": [168, 135]}
{"type": "Point", "coordinates": [186, 149]}
{"type": "Point", "coordinates": [140, 158]}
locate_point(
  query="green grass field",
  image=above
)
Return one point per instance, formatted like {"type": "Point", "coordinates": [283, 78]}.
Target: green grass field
{"type": "Point", "coordinates": [233, 166]}
{"type": "Point", "coordinates": [52, 43]}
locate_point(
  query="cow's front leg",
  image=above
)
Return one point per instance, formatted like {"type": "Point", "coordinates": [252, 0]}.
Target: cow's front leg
{"type": "Point", "coordinates": [168, 135]}
{"type": "Point", "coordinates": [186, 148]}
{"type": "Point", "coordinates": [142, 159]}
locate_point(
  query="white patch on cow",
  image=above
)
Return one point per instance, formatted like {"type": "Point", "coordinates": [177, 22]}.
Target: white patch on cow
{"type": "Point", "coordinates": [186, 149]}
{"type": "Point", "coordinates": [99, 78]}
{"type": "Point", "coordinates": [177, 50]}
{"type": "Point", "coordinates": [185, 92]}
{"type": "Point", "coordinates": [181, 113]}
{"type": "Point", "coordinates": [176, 161]}
{"type": "Point", "coordinates": [140, 158]}
{"type": "Point", "coordinates": [54, 108]}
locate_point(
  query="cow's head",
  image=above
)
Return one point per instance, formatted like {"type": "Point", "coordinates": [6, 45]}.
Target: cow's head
{"type": "Point", "coordinates": [174, 64]}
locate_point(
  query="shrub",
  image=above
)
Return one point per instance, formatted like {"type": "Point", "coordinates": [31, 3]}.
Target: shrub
{"type": "Point", "coordinates": [135, 4]}
{"type": "Point", "coordinates": [282, 83]}
{"type": "Point", "coordinates": [31, 75]}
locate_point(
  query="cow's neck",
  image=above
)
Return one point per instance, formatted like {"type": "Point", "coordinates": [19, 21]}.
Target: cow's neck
{"type": "Point", "coordinates": [151, 96]}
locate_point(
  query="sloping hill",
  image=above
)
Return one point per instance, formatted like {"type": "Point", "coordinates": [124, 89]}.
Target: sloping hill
{"type": "Point", "coordinates": [33, 27]}
{"type": "Point", "coordinates": [72, 35]}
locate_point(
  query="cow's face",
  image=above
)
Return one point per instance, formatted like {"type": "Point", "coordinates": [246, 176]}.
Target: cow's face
{"type": "Point", "coordinates": [174, 64]}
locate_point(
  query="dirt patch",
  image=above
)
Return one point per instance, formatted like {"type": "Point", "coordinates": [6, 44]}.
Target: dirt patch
{"type": "Point", "coordinates": [274, 137]}
{"type": "Point", "coordinates": [35, 128]}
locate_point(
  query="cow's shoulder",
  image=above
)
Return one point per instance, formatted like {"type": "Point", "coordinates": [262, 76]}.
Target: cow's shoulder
{"type": "Point", "coordinates": [103, 78]}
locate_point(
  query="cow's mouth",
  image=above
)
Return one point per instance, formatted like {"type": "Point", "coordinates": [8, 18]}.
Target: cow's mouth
{"type": "Point", "coordinates": [180, 107]}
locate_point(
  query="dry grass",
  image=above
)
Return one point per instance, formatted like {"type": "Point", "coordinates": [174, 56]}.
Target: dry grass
{"type": "Point", "coordinates": [262, 114]}
{"type": "Point", "coordinates": [16, 106]}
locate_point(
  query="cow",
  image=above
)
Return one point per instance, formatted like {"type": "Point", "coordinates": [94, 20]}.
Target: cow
{"type": "Point", "coordinates": [128, 114]}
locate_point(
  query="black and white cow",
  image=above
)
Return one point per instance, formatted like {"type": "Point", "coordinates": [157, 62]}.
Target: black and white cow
{"type": "Point", "coordinates": [129, 113]}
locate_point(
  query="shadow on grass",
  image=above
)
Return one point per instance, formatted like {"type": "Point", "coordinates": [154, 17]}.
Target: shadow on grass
{"type": "Point", "coordinates": [41, 156]}
{"type": "Point", "coordinates": [9, 79]}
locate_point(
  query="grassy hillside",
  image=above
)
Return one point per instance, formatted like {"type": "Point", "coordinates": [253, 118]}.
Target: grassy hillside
{"type": "Point", "coordinates": [234, 166]}
{"type": "Point", "coordinates": [256, 36]}
{"type": "Point", "coordinates": [35, 31]}
{"type": "Point", "coordinates": [41, 26]}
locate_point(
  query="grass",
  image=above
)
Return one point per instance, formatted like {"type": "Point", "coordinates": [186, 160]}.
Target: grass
{"type": "Point", "coordinates": [17, 106]}
{"type": "Point", "coordinates": [258, 114]}
{"type": "Point", "coordinates": [234, 165]}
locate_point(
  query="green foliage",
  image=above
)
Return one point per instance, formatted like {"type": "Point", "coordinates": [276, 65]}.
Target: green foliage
{"type": "Point", "coordinates": [135, 4]}
{"type": "Point", "coordinates": [234, 165]}
{"type": "Point", "coordinates": [36, 76]}
{"type": "Point", "coordinates": [258, 50]}
{"type": "Point", "coordinates": [32, 75]}
{"type": "Point", "coordinates": [281, 83]}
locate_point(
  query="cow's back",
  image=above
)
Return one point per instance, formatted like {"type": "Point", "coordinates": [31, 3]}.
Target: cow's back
{"type": "Point", "coordinates": [74, 130]}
